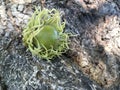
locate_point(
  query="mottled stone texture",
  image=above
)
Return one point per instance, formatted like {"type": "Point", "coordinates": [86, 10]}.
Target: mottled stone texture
{"type": "Point", "coordinates": [93, 61]}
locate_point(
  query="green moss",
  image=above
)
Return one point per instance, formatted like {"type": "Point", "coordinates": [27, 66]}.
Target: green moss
{"type": "Point", "coordinates": [44, 34]}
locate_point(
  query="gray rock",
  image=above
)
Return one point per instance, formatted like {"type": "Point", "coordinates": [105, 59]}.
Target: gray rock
{"type": "Point", "coordinates": [20, 7]}
{"type": "Point", "coordinates": [7, 34]}
{"type": "Point", "coordinates": [2, 27]}
{"type": "Point", "coordinates": [18, 21]}
{"type": "Point", "coordinates": [33, 1]}
{"type": "Point", "coordinates": [14, 7]}
{"type": "Point", "coordinates": [108, 9]}
{"type": "Point", "coordinates": [118, 42]}
{"type": "Point", "coordinates": [2, 11]}
{"type": "Point", "coordinates": [14, 13]}
{"type": "Point", "coordinates": [21, 1]}
{"type": "Point", "coordinates": [3, 16]}
{"type": "Point", "coordinates": [20, 70]}
{"type": "Point", "coordinates": [10, 26]}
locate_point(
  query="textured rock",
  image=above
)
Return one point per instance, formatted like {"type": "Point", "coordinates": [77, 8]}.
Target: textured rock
{"type": "Point", "coordinates": [20, 8]}
{"type": "Point", "coordinates": [3, 15]}
{"type": "Point", "coordinates": [21, 1]}
{"type": "Point", "coordinates": [14, 8]}
{"type": "Point", "coordinates": [95, 47]}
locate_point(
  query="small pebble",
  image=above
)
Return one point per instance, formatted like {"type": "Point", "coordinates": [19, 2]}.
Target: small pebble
{"type": "Point", "coordinates": [33, 1]}
{"type": "Point", "coordinates": [2, 27]}
{"type": "Point", "coordinates": [118, 42]}
{"type": "Point", "coordinates": [2, 32]}
{"type": "Point", "coordinates": [14, 8]}
{"type": "Point", "coordinates": [20, 15]}
{"type": "Point", "coordinates": [3, 15]}
{"type": "Point", "coordinates": [21, 1]}
{"type": "Point", "coordinates": [18, 21]}
{"type": "Point", "coordinates": [1, 87]}
{"type": "Point", "coordinates": [114, 32]}
{"type": "Point", "coordinates": [26, 17]}
{"type": "Point", "coordinates": [10, 26]}
{"type": "Point", "coordinates": [20, 7]}
{"type": "Point", "coordinates": [7, 34]}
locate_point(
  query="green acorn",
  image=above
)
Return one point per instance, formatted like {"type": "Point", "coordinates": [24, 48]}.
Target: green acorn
{"type": "Point", "coordinates": [44, 34]}
{"type": "Point", "coordinates": [48, 37]}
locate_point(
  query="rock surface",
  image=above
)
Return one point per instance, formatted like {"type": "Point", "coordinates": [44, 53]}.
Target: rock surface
{"type": "Point", "coordinates": [93, 61]}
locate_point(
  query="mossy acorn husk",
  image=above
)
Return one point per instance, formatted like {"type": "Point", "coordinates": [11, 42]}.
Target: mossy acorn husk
{"type": "Point", "coordinates": [44, 34]}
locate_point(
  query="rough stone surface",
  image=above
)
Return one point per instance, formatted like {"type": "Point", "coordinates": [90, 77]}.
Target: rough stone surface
{"type": "Point", "coordinates": [93, 61]}
{"type": "Point", "coordinates": [21, 7]}
{"type": "Point", "coordinates": [21, 1]}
